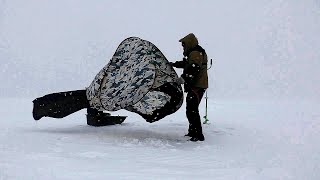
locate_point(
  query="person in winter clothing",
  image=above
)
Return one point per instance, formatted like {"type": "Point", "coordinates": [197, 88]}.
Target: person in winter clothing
{"type": "Point", "coordinates": [195, 80]}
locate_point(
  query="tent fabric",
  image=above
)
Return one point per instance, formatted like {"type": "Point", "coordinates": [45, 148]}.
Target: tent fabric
{"type": "Point", "coordinates": [130, 78]}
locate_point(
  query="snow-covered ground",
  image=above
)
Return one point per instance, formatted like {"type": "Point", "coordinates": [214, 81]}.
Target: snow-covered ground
{"type": "Point", "coordinates": [263, 98]}
{"type": "Point", "coordinates": [244, 140]}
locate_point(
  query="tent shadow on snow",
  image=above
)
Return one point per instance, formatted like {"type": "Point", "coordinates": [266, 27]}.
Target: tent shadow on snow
{"type": "Point", "coordinates": [124, 133]}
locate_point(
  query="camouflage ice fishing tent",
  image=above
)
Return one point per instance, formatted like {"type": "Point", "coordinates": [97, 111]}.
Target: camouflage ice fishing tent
{"type": "Point", "coordinates": [138, 78]}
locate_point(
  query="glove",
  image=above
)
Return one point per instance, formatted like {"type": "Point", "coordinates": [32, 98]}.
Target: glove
{"type": "Point", "coordinates": [171, 64]}
{"type": "Point", "coordinates": [187, 87]}
{"type": "Point", "coordinates": [186, 84]}
{"type": "Point", "coordinates": [180, 80]}
{"type": "Point", "coordinates": [178, 64]}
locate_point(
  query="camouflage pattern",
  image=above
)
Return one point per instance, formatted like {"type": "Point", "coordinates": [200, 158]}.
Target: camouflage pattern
{"type": "Point", "coordinates": [129, 79]}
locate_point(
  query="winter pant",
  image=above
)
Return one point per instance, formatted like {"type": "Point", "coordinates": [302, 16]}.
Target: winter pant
{"type": "Point", "coordinates": [194, 97]}
{"type": "Point", "coordinates": [59, 105]}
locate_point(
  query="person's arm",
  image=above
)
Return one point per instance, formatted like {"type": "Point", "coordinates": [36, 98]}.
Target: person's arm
{"type": "Point", "coordinates": [179, 64]}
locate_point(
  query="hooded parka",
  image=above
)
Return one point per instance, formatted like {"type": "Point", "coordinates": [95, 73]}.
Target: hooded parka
{"type": "Point", "coordinates": [195, 64]}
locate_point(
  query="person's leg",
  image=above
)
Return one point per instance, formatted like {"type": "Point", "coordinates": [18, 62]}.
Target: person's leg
{"type": "Point", "coordinates": [192, 107]}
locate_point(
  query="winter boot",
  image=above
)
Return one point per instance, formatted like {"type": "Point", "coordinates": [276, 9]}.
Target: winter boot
{"type": "Point", "coordinates": [197, 134]}
{"type": "Point", "coordinates": [199, 137]}
{"type": "Point", "coordinates": [191, 132]}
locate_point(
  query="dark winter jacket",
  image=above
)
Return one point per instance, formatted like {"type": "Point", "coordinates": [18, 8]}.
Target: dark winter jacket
{"type": "Point", "coordinates": [195, 64]}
